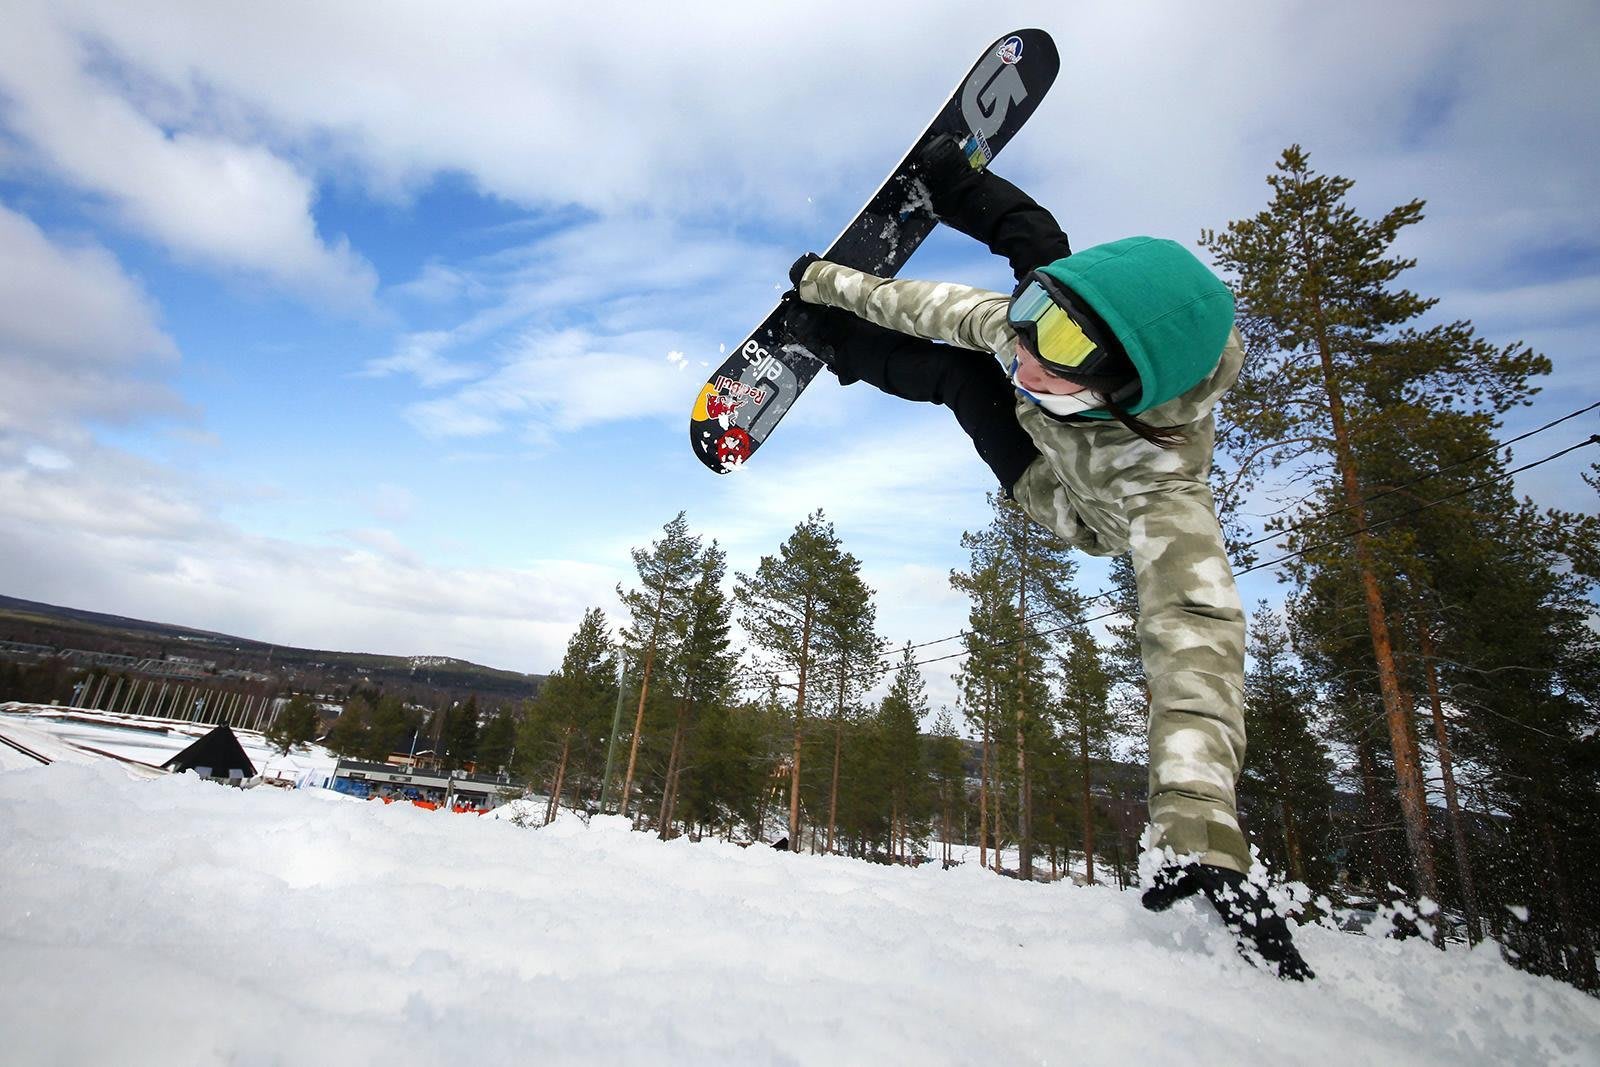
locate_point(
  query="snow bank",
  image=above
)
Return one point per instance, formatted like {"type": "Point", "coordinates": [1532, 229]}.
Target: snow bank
{"type": "Point", "coordinates": [177, 920]}
{"type": "Point", "coordinates": [153, 741]}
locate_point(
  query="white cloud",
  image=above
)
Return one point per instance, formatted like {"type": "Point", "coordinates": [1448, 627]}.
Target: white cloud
{"type": "Point", "coordinates": [46, 458]}
{"type": "Point", "coordinates": [116, 535]}
{"type": "Point", "coordinates": [225, 202]}
{"type": "Point", "coordinates": [562, 381]}
{"type": "Point", "coordinates": [78, 337]}
{"type": "Point", "coordinates": [390, 503]}
{"type": "Point", "coordinates": [420, 355]}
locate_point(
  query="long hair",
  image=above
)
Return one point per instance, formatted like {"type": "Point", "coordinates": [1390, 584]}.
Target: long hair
{"type": "Point", "coordinates": [1160, 436]}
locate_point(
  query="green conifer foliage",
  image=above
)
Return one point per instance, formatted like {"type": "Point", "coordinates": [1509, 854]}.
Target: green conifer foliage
{"type": "Point", "coordinates": [1286, 789]}
{"type": "Point", "coordinates": [659, 610]}
{"type": "Point", "coordinates": [296, 724]}
{"type": "Point", "coordinates": [1336, 350]}
{"type": "Point", "coordinates": [1035, 569]}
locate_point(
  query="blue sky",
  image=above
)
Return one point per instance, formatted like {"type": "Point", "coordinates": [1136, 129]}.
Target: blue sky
{"type": "Point", "coordinates": [372, 326]}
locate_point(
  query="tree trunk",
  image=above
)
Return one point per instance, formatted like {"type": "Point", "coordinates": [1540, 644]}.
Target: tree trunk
{"type": "Point", "coordinates": [644, 689]}
{"type": "Point", "coordinates": [1458, 836]}
{"type": "Point", "coordinates": [1291, 844]}
{"type": "Point", "coordinates": [799, 728]}
{"type": "Point", "coordinates": [838, 744]}
{"type": "Point", "coordinates": [1024, 792]}
{"type": "Point", "coordinates": [1407, 765]}
{"type": "Point", "coordinates": [1088, 808]}
{"type": "Point", "coordinates": [669, 791]}
{"type": "Point", "coordinates": [1377, 869]}
{"type": "Point", "coordinates": [983, 799]}
{"type": "Point", "coordinates": [1578, 957]}
{"type": "Point", "coordinates": [561, 774]}
{"type": "Point", "coordinates": [944, 827]}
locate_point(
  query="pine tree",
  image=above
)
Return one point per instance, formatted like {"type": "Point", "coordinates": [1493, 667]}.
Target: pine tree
{"type": "Point", "coordinates": [947, 766]}
{"type": "Point", "coordinates": [659, 610]}
{"type": "Point", "coordinates": [347, 736]}
{"type": "Point", "coordinates": [461, 732]}
{"type": "Point", "coordinates": [1320, 315]}
{"type": "Point", "coordinates": [848, 649]}
{"type": "Point", "coordinates": [1124, 662]}
{"type": "Point", "coordinates": [900, 717]}
{"type": "Point", "coordinates": [983, 680]}
{"type": "Point", "coordinates": [388, 728]}
{"type": "Point", "coordinates": [1038, 569]}
{"type": "Point", "coordinates": [296, 724]}
{"type": "Point", "coordinates": [701, 670]}
{"type": "Point", "coordinates": [559, 738]}
{"type": "Point", "coordinates": [1086, 722]}
{"type": "Point", "coordinates": [781, 605]}
{"type": "Point", "coordinates": [497, 741]}
{"type": "Point", "coordinates": [1287, 780]}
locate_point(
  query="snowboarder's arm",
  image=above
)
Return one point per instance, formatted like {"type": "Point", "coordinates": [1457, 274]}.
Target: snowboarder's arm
{"type": "Point", "coordinates": [1191, 634]}
{"type": "Point", "coordinates": [1007, 220]}
{"type": "Point", "coordinates": [935, 311]}
{"type": "Point", "coordinates": [990, 209]}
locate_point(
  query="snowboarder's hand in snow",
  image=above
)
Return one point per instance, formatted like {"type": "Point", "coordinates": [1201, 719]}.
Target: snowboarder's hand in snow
{"type": "Point", "coordinates": [1261, 933]}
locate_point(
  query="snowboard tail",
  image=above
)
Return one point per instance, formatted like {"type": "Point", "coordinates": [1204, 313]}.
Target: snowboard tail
{"type": "Point", "coordinates": [745, 398]}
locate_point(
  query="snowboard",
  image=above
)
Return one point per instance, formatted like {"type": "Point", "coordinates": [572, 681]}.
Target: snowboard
{"type": "Point", "coordinates": [744, 399]}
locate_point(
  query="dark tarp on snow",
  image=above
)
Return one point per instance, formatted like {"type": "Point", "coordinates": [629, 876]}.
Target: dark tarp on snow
{"type": "Point", "coordinates": [216, 755]}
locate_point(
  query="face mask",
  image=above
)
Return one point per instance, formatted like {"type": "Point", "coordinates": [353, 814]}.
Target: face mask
{"type": "Point", "coordinates": [1056, 403]}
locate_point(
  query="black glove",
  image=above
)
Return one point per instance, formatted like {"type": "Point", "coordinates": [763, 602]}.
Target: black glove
{"type": "Point", "coordinates": [826, 332]}
{"type": "Point", "coordinates": [1244, 908]}
{"type": "Point", "coordinates": [815, 324]}
{"type": "Point", "coordinates": [943, 167]}
{"type": "Point", "coordinates": [798, 271]}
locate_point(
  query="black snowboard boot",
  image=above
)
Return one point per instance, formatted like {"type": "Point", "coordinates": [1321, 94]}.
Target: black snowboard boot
{"type": "Point", "coordinates": [1262, 934]}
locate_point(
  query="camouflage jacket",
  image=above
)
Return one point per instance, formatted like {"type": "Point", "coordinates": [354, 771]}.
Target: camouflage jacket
{"type": "Point", "coordinates": [1107, 491]}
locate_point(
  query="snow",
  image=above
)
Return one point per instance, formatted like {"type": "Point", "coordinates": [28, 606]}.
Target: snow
{"type": "Point", "coordinates": [77, 734]}
{"type": "Point", "coordinates": [147, 921]}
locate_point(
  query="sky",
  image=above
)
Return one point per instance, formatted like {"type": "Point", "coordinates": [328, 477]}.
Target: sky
{"type": "Point", "coordinates": [376, 327]}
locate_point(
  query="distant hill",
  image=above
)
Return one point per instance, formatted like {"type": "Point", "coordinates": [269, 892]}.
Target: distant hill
{"type": "Point", "coordinates": [33, 623]}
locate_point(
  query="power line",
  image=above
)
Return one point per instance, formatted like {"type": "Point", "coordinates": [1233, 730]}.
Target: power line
{"type": "Point", "coordinates": [1594, 439]}
{"type": "Point", "coordinates": [1310, 521]}
{"type": "Point", "coordinates": [1364, 501]}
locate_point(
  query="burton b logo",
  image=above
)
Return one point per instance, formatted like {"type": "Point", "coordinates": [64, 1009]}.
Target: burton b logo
{"type": "Point", "coordinates": [993, 88]}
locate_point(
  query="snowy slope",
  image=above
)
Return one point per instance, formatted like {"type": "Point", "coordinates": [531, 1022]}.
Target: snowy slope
{"type": "Point", "coordinates": [147, 740]}
{"type": "Point", "coordinates": [178, 921]}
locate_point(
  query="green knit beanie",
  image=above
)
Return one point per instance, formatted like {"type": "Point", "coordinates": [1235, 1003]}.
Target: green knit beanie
{"type": "Point", "coordinates": [1171, 314]}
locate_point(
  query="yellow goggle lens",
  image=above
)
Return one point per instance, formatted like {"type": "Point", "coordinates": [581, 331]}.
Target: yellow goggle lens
{"type": "Point", "coordinates": [1061, 340]}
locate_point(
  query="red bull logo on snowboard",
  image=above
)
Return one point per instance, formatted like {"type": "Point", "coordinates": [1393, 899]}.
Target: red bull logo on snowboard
{"type": "Point", "coordinates": [733, 387]}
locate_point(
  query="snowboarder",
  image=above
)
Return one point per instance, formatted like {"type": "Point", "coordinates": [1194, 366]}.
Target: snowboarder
{"type": "Point", "coordinates": [1097, 420]}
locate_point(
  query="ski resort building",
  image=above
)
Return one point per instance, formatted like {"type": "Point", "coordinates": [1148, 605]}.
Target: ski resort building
{"type": "Point", "coordinates": [452, 789]}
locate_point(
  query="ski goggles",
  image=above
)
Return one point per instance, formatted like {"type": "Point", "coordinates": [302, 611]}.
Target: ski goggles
{"type": "Point", "coordinates": [1066, 336]}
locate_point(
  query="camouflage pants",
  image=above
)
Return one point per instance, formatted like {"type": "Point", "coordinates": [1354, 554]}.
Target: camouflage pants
{"type": "Point", "coordinates": [1105, 490]}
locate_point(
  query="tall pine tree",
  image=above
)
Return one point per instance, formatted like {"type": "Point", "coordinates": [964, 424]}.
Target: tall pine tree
{"type": "Point", "coordinates": [1322, 317]}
